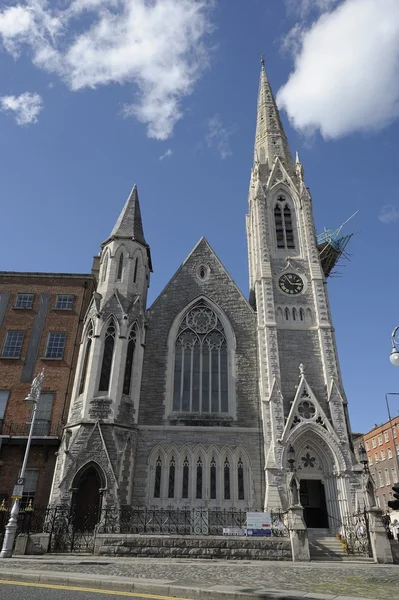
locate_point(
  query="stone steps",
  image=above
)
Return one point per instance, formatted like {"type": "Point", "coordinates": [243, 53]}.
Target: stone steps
{"type": "Point", "coordinates": [324, 546]}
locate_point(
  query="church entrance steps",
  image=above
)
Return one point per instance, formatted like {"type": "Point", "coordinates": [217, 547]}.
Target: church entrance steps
{"type": "Point", "coordinates": [324, 547]}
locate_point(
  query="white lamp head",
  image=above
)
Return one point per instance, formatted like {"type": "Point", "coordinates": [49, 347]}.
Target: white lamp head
{"type": "Point", "coordinates": [394, 357]}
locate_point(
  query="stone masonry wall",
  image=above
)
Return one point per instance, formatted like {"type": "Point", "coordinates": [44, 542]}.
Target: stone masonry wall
{"type": "Point", "coordinates": [219, 437]}
{"type": "Point", "coordinates": [174, 546]}
{"type": "Point", "coordinates": [185, 287]}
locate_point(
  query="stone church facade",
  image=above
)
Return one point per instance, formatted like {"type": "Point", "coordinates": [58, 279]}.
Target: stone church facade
{"type": "Point", "coordinates": [205, 398]}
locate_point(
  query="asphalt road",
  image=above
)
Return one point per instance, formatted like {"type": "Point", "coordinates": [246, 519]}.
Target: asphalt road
{"type": "Point", "coordinates": [24, 591]}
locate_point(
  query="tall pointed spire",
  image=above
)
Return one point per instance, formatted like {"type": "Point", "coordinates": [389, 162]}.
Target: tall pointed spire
{"type": "Point", "coordinates": [129, 224]}
{"type": "Point", "coordinates": [270, 139]}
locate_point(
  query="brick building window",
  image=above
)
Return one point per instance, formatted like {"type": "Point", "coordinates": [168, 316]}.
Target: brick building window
{"type": "Point", "coordinates": [394, 433]}
{"type": "Point", "coordinates": [3, 403]}
{"type": "Point", "coordinates": [394, 480]}
{"type": "Point", "coordinates": [386, 435]}
{"type": "Point", "coordinates": [382, 454]}
{"type": "Point", "coordinates": [367, 445]}
{"type": "Point", "coordinates": [64, 302]}
{"type": "Point", "coordinates": [43, 414]}
{"type": "Point", "coordinates": [30, 486]}
{"type": "Point", "coordinates": [380, 439]}
{"type": "Point", "coordinates": [387, 478]}
{"type": "Point", "coordinates": [389, 453]}
{"type": "Point", "coordinates": [24, 301]}
{"type": "Point", "coordinates": [376, 456]}
{"type": "Point", "coordinates": [13, 344]}
{"type": "Point", "coordinates": [397, 448]}
{"type": "Point", "coordinates": [373, 442]}
{"type": "Point", "coordinates": [380, 479]}
{"type": "Point", "coordinates": [370, 459]}
{"type": "Point", "coordinates": [55, 344]}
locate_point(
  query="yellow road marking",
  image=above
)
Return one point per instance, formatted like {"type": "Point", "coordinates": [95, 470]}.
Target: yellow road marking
{"type": "Point", "coordinates": [93, 590]}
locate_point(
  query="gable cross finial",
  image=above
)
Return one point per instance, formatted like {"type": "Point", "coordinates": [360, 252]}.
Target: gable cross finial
{"type": "Point", "coordinates": [301, 369]}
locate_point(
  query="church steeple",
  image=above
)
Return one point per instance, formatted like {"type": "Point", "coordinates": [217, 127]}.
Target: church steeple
{"type": "Point", "coordinates": [270, 139]}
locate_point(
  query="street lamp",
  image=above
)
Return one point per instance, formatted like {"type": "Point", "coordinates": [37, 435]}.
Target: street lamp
{"type": "Point", "coordinates": [394, 356]}
{"type": "Point", "coordinates": [11, 528]}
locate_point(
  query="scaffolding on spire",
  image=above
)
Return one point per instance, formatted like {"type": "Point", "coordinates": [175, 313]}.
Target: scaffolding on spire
{"type": "Point", "coordinates": [331, 244]}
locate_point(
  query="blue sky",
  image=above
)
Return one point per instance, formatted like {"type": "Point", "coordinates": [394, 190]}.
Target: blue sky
{"type": "Point", "coordinates": [94, 92]}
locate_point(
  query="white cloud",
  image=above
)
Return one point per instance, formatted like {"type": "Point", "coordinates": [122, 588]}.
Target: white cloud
{"type": "Point", "coordinates": [218, 136]}
{"type": "Point", "coordinates": [346, 75]}
{"type": "Point", "coordinates": [389, 214]}
{"type": "Point", "coordinates": [158, 46]}
{"type": "Point", "coordinates": [25, 107]}
{"type": "Point", "coordinates": [167, 154]}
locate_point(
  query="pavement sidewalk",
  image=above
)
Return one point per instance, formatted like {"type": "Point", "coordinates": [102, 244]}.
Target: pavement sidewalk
{"type": "Point", "coordinates": [208, 580]}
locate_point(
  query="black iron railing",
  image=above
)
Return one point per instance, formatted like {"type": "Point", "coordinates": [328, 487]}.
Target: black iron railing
{"type": "Point", "coordinates": [41, 428]}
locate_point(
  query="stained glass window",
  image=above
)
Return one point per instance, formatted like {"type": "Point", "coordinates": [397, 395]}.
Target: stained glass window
{"type": "Point", "coordinates": [201, 363]}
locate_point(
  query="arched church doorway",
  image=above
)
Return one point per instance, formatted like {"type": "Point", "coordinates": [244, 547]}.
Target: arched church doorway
{"type": "Point", "coordinates": [87, 498]}
{"type": "Point", "coordinates": [313, 500]}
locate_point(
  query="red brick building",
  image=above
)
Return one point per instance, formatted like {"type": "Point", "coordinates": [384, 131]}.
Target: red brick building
{"type": "Point", "coordinates": [381, 444]}
{"type": "Point", "coordinates": [40, 326]}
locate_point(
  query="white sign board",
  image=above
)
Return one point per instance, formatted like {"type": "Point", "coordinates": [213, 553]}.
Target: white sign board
{"type": "Point", "coordinates": [234, 531]}
{"type": "Point", "coordinates": [259, 523]}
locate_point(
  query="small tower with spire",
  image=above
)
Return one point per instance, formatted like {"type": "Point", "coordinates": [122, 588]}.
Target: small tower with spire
{"type": "Point", "coordinates": [105, 397]}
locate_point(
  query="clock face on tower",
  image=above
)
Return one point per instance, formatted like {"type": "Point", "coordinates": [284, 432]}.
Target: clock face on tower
{"type": "Point", "coordinates": [290, 283]}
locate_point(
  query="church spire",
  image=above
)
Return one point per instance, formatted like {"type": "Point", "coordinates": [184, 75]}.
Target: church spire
{"type": "Point", "coordinates": [270, 139]}
{"type": "Point", "coordinates": [129, 224]}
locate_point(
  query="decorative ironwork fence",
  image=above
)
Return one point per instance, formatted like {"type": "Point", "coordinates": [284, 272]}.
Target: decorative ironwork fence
{"type": "Point", "coordinates": [75, 530]}
{"type": "Point", "coordinates": [356, 534]}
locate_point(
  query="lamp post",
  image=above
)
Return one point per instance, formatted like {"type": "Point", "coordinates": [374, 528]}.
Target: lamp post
{"type": "Point", "coordinates": [363, 458]}
{"type": "Point", "coordinates": [394, 357]}
{"type": "Point", "coordinates": [11, 528]}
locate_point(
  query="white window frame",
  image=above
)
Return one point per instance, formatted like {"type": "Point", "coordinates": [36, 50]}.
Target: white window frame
{"type": "Point", "coordinates": [382, 454]}
{"type": "Point", "coordinates": [67, 299]}
{"type": "Point", "coordinates": [25, 301]}
{"type": "Point", "coordinates": [387, 477]}
{"type": "Point", "coordinates": [381, 479]}
{"type": "Point", "coordinates": [374, 443]}
{"type": "Point", "coordinates": [389, 452]}
{"type": "Point", "coordinates": [367, 444]}
{"type": "Point", "coordinates": [386, 436]}
{"type": "Point", "coordinates": [4, 397]}
{"type": "Point", "coordinates": [49, 338]}
{"type": "Point", "coordinates": [380, 439]}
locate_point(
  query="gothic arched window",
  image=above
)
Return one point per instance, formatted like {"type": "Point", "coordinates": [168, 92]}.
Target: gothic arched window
{"type": "Point", "coordinates": [86, 359]}
{"type": "Point", "coordinates": [127, 378]}
{"type": "Point", "coordinates": [136, 263]}
{"type": "Point", "coordinates": [198, 485]}
{"type": "Point", "coordinates": [185, 480]}
{"type": "Point", "coordinates": [172, 474]}
{"type": "Point", "coordinates": [109, 343]}
{"type": "Point", "coordinates": [226, 473]}
{"type": "Point", "coordinates": [301, 314]}
{"type": "Point", "coordinates": [213, 479]}
{"type": "Point", "coordinates": [158, 477]}
{"type": "Point", "coordinates": [284, 225]}
{"type": "Point", "coordinates": [240, 479]}
{"type": "Point", "coordinates": [120, 268]}
{"type": "Point", "coordinates": [201, 365]}
{"type": "Point", "coordinates": [105, 267]}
